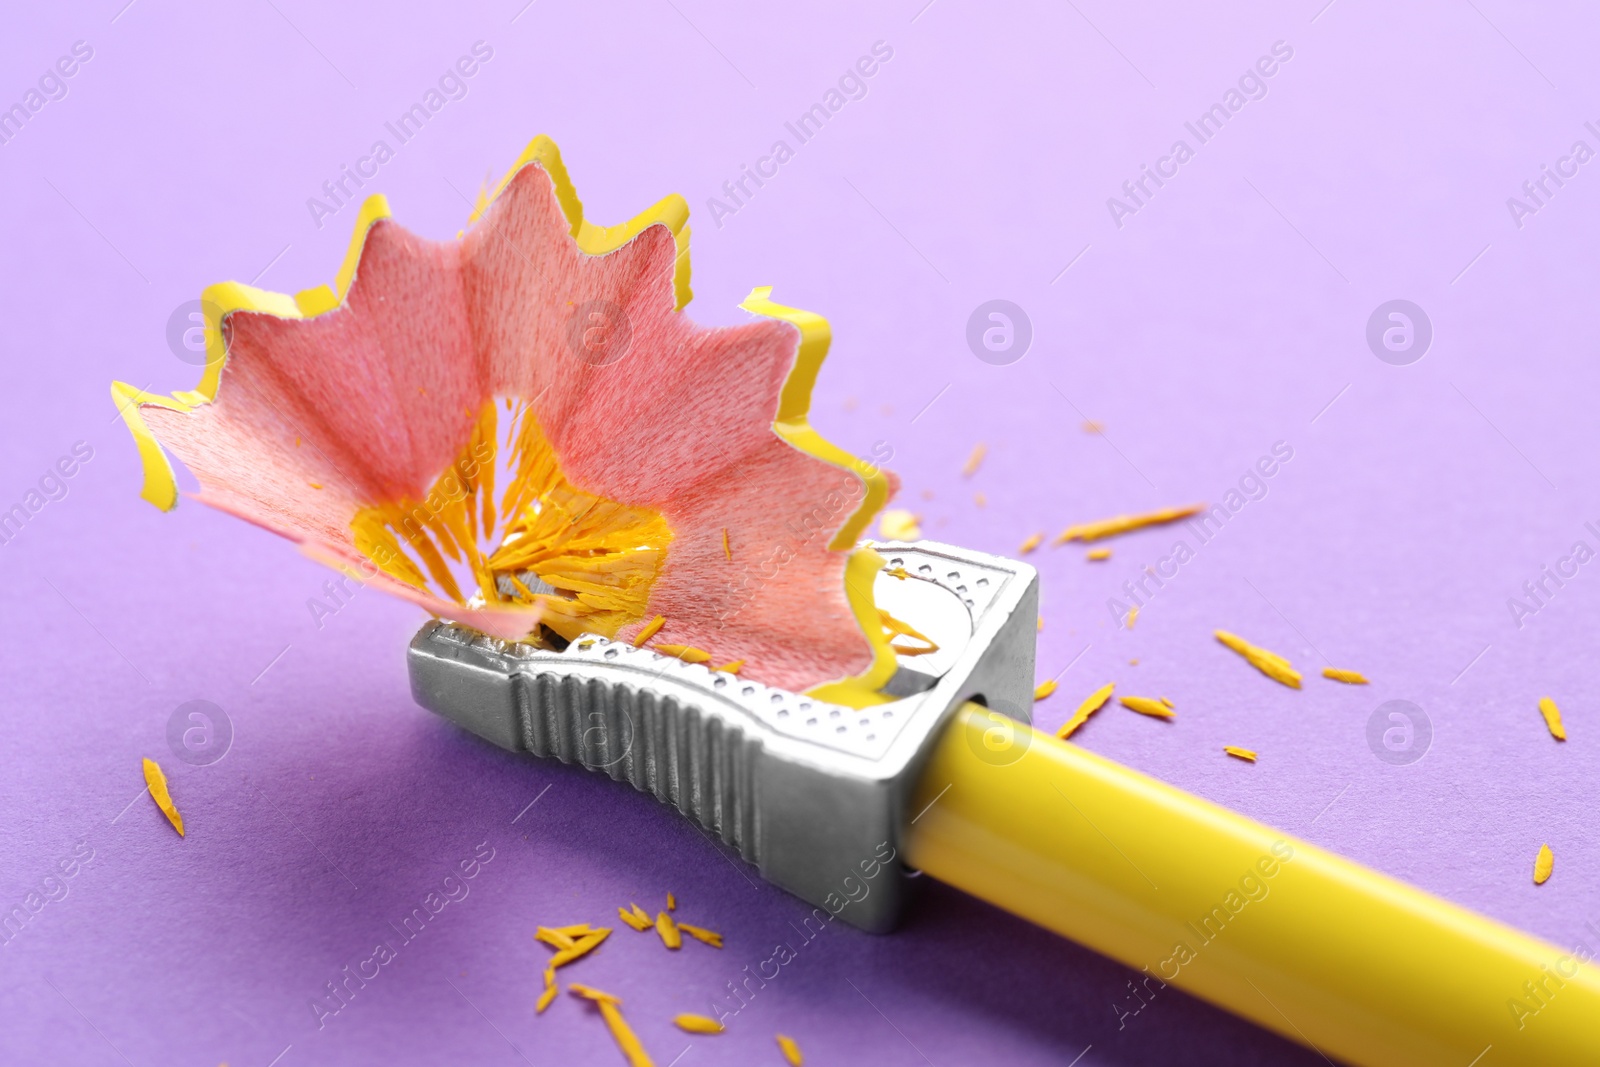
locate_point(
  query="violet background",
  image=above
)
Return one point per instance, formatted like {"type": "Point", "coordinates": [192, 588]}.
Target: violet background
{"type": "Point", "coordinates": [1227, 315]}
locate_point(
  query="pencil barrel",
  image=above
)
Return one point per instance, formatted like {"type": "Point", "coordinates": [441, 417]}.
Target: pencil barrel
{"type": "Point", "coordinates": [1324, 951]}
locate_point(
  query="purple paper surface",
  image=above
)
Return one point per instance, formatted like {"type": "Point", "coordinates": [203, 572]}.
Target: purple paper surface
{"type": "Point", "coordinates": [1203, 320]}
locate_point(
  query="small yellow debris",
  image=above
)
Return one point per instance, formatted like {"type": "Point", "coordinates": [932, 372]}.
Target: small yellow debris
{"type": "Point", "coordinates": [1167, 701]}
{"type": "Point", "coordinates": [791, 1051]}
{"type": "Point", "coordinates": [554, 938]}
{"type": "Point", "coordinates": [1044, 689]}
{"type": "Point", "coordinates": [545, 998]}
{"type": "Point", "coordinates": [573, 931]}
{"type": "Point", "coordinates": [1146, 706]}
{"type": "Point", "coordinates": [640, 924]}
{"type": "Point", "coordinates": [640, 914]}
{"type": "Point", "coordinates": [672, 902]}
{"type": "Point", "coordinates": [1347, 677]}
{"type": "Point", "coordinates": [702, 935]}
{"type": "Point", "coordinates": [894, 628]}
{"type": "Point", "coordinates": [1102, 528]}
{"type": "Point", "coordinates": [980, 500]}
{"type": "Point", "coordinates": [730, 668]}
{"type": "Point", "coordinates": [668, 931]}
{"type": "Point", "coordinates": [1031, 543]}
{"type": "Point", "coordinates": [1270, 664]}
{"type": "Point", "coordinates": [687, 653]}
{"type": "Point", "coordinates": [1248, 755]}
{"type": "Point", "coordinates": [1552, 719]}
{"type": "Point", "coordinates": [1133, 616]}
{"type": "Point", "coordinates": [578, 989]}
{"type": "Point", "coordinates": [1098, 554]}
{"type": "Point", "coordinates": [583, 946]}
{"type": "Point", "coordinates": [651, 628]}
{"type": "Point", "coordinates": [550, 991]}
{"type": "Point", "coordinates": [1040, 627]}
{"type": "Point", "coordinates": [315, 485]}
{"type": "Point", "coordinates": [898, 573]}
{"type": "Point", "coordinates": [975, 460]}
{"type": "Point", "coordinates": [897, 524]}
{"type": "Point", "coordinates": [1543, 863]}
{"type": "Point", "coordinates": [158, 791]}
{"type": "Point", "coordinates": [697, 1024]}
{"type": "Point", "coordinates": [621, 1033]}
{"type": "Point", "coordinates": [1091, 704]}
{"type": "Point", "coordinates": [1094, 427]}
{"type": "Point", "coordinates": [727, 550]}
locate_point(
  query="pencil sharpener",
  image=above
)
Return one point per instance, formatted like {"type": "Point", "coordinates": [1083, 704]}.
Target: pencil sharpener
{"type": "Point", "coordinates": [813, 794]}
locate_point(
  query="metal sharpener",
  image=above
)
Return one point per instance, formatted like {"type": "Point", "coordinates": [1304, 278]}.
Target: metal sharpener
{"type": "Point", "coordinates": [805, 790]}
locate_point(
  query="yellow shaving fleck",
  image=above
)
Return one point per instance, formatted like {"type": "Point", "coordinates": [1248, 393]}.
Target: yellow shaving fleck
{"type": "Point", "coordinates": [897, 524]}
{"type": "Point", "coordinates": [578, 989]}
{"type": "Point", "coordinates": [1102, 528]}
{"type": "Point", "coordinates": [1245, 754]}
{"type": "Point", "coordinates": [573, 931]}
{"type": "Point", "coordinates": [545, 998]}
{"type": "Point", "coordinates": [1133, 616]}
{"type": "Point", "coordinates": [634, 921]}
{"type": "Point", "coordinates": [970, 467]}
{"type": "Point", "coordinates": [1098, 554]}
{"type": "Point", "coordinates": [584, 945]}
{"type": "Point", "coordinates": [1094, 427]}
{"type": "Point", "coordinates": [668, 930]}
{"type": "Point", "coordinates": [701, 934]}
{"type": "Point", "coordinates": [623, 1035]}
{"type": "Point", "coordinates": [1044, 689]}
{"type": "Point", "coordinates": [651, 628]}
{"type": "Point", "coordinates": [697, 1024]}
{"type": "Point", "coordinates": [1166, 701]}
{"type": "Point", "coordinates": [980, 500]}
{"type": "Point", "coordinates": [1552, 718]}
{"type": "Point", "coordinates": [315, 485]}
{"type": "Point", "coordinates": [621, 1032]}
{"type": "Point", "coordinates": [1091, 704]}
{"type": "Point", "coordinates": [897, 572]}
{"type": "Point", "coordinates": [1543, 864]}
{"type": "Point", "coordinates": [1040, 625]}
{"type": "Point", "coordinates": [727, 550]}
{"type": "Point", "coordinates": [1270, 664]}
{"type": "Point", "coordinates": [730, 668]}
{"type": "Point", "coordinates": [158, 791]}
{"type": "Point", "coordinates": [1031, 543]}
{"type": "Point", "coordinates": [1145, 706]}
{"type": "Point", "coordinates": [599, 556]}
{"type": "Point", "coordinates": [640, 914]}
{"type": "Point", "coordinates": [894, 627]}
{"type": "Point", "coordinates": [1347, 677]}
{"type": "Point", "coordinates": [687, 653]}
{"type": "Point", "coordinates": [553, 938]}
{"type": "Point", "coordinates": [791, 1051]}
{"type": "Point", "coordinates": [672, 902]}
{"type": "Point", "coordinates": [550, 991]}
